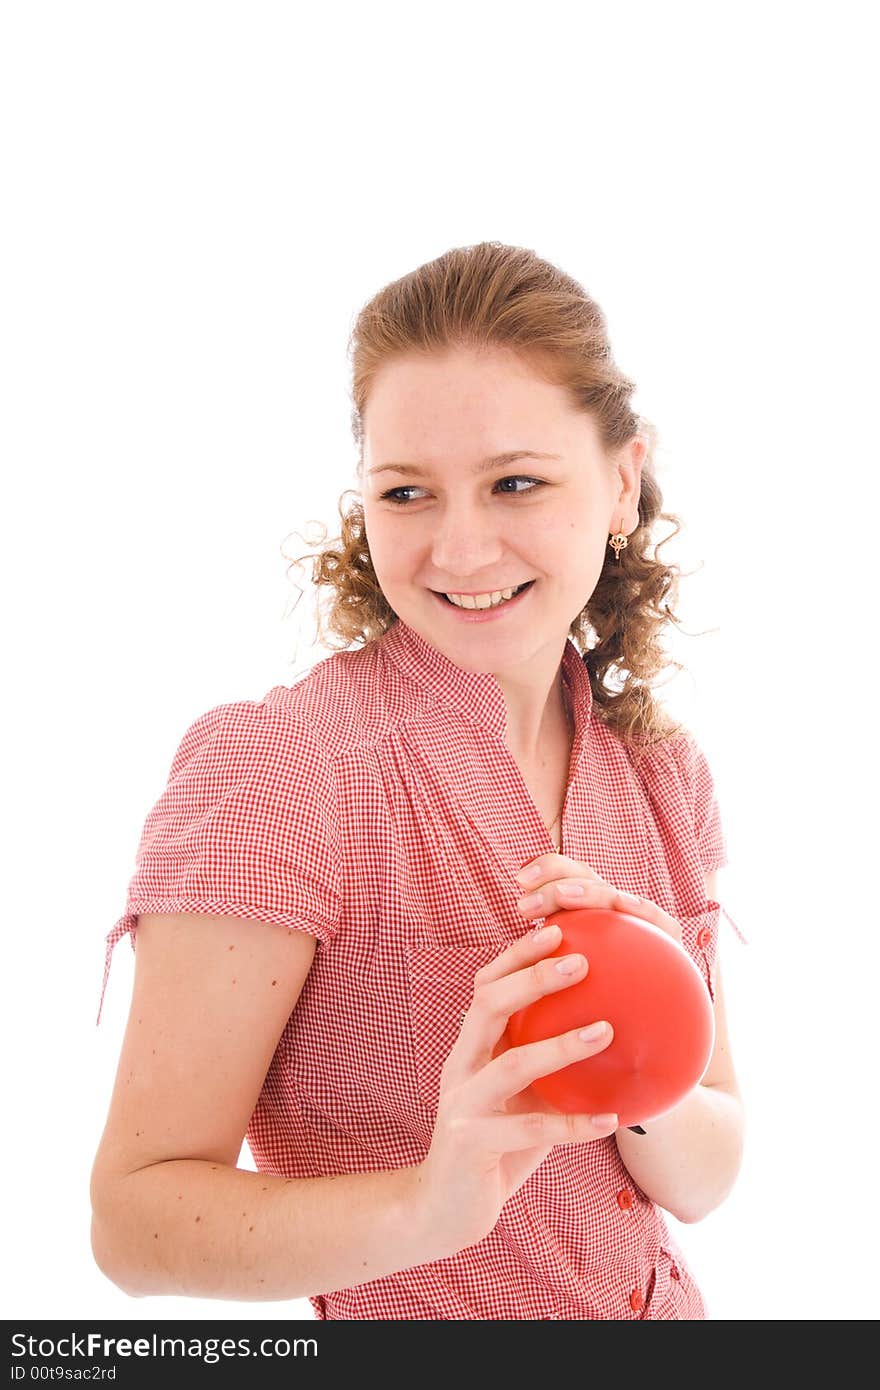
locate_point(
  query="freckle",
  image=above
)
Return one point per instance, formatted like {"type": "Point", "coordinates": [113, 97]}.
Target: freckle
{"type": "Point", "coordinates": [264, 1189]}
{"type": "Point", "coordinates": [274, 982]}
{"type": "Point", "coordinates": [180, 1196]}
{"type": "Point", "coordinates": [198, 1218]}
{"type": "Point", "coordinates": [232, 948]}
{"type": "Point", "coordinates": [262, 1281]}
{"type": "Point", "coordinates": [154, 1051]}
{"type": "Point", "coordinates": [250, 1228]}
{"type": "Point", "coordinates": [155, 1235]}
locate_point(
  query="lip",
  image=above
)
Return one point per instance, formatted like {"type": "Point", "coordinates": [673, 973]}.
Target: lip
{"type": "Point", "coordinates": [475, 593]}
{"type": "Point", "coordinates": [484, 615]}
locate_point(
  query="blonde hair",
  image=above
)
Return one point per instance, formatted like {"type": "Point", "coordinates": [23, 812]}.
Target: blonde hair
{"type": "Point", "coordinates": [492, 295]}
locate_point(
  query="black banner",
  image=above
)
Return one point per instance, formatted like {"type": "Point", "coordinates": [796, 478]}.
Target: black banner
{"type": "Point", "coordinates": [282, 1351]}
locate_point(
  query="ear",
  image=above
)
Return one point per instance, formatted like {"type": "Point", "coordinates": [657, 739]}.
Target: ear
{"type": "Point", "coordinates": [629, 466]}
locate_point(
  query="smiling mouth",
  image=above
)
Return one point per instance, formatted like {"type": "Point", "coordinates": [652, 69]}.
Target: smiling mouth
{"type": "Point", "coordinates": [519, 589]}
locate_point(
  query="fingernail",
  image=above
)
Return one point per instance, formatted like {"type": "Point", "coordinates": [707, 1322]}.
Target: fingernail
{"type": "Point", "coordinates": [595, 1030]}
{"type": "Point", "coordinates": [540, 933]}
{"type": "Point", "coordinates": [571, 890]}
{"type": "Point", "coordinates": [530, 875]}
{"type": "Point", "coordinates": [604, 1121]}
{"type": "Point", "coordinates": [569, 964]}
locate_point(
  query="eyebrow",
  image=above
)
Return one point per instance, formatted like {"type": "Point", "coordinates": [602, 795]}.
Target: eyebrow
{"type": "Point", "coordinates": [416, 470]}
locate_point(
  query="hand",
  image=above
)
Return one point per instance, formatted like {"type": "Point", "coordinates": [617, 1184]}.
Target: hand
{"type": "Point", "coordinates": [491, 1131]}
{"type": "Point", "coordinates": [556, 872]}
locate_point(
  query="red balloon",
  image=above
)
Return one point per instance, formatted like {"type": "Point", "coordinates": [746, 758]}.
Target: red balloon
{"type": "Point", "coordinates": [647, 987]}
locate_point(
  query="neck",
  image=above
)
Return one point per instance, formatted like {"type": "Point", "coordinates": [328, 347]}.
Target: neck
{"type": "Point", "coordinates": [557, 725]}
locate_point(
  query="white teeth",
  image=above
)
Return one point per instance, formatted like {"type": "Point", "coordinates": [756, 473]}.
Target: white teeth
{"type": "Point", "coordinates": [483, 600]}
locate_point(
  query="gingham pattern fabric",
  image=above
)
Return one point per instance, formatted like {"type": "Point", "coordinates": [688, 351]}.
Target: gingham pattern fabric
{"type": "Point", "coordinates": [375, 805]}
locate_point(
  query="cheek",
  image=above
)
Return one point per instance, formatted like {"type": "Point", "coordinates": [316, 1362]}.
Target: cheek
{"type": "Point", "coordinates": [384, 539]}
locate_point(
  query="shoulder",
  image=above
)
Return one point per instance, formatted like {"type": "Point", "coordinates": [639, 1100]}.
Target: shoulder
{"type": "Point", "coordinates": [679, 759]}
{"type": "Point", "coordinates": [695, 772]}
{"type": "Point", "coordinates": [240, 727]}
{"type": "Point", "coordinates": [342, 701]}
{"type": "Point", "coordinates": [309, 715]}
{"type": "Point", "coordinates": [249, 753]}
{"type": "Point", "coordinates": [676, 776]}
{"type": "Point", "coordinates": [661, 762]}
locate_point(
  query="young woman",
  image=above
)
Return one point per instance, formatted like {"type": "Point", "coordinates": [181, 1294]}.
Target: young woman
{"type": "Point", "coordinates": [332, 924]}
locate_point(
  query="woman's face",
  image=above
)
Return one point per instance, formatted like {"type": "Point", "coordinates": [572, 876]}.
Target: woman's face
{"type": "Point", "coordinates": [460, 527]}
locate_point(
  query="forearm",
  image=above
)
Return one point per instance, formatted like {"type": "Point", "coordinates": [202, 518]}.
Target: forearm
{"type": "Point", "coordinates": [687, 1161]}
{"type": "Point", "coordinates": [193, 1228]}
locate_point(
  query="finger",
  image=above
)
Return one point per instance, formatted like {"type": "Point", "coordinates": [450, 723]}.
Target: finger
{"type": "Point", "coordinates": [570, 893]}
{"type": "Point", "coordinates": [527, 948]}
{"type": "Point", "coordinates": [501, 1134]}
{"type": "Point", "coordinates": [550, 867]}
{"type": "Point", "coordinates": [512, 1071]}
{"type": "Point", "coordinates": [650, 912]}
{"type": "Point", "coordinates": [558, 895]}
{"type": "Point", "coordinates": [496, 999]}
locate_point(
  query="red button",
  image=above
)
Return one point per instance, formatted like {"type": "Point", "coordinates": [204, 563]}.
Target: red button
{"type": "Point", "coordinates": [704, 937]}
{"type": "Point", "coordinates": [636, 1301]}
{"type": "Point", "coordinates": [674, 1272]}
{"type": "Point", "coordinates": [625, 1199]}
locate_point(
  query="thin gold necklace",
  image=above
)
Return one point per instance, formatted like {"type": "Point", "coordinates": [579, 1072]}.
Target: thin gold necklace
{"type": "Point", "coordinates": [553, 824]}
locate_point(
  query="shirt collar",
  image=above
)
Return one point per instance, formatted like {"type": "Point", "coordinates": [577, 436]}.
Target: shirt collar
{"type": "Point", "coordinates": [476, 695]}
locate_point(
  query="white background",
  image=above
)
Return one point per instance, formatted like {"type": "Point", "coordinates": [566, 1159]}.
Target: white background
{"type": "Point", "coordinates": [198, 198]}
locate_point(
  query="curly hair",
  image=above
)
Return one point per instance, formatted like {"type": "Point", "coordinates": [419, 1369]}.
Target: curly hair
{"type": "Point", "coordinates": [491, 295]}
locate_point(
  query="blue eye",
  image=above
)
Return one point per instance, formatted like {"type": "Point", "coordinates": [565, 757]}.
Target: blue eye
{"type": "Point", "coordinates": [519, 478]}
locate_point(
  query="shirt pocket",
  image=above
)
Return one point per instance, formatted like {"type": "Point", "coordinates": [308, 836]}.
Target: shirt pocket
{"type": "Point", "coordinates": [441, 984]}
{"type": "Point", "coordinates": [699, 937]}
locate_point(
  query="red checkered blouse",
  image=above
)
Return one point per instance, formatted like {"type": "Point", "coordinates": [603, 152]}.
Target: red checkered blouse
{"type": "Point", "coordinates": [375, 805]}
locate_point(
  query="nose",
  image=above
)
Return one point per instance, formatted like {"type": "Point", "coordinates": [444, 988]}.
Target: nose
{"type": "Point", "coordinates": [466, 542]}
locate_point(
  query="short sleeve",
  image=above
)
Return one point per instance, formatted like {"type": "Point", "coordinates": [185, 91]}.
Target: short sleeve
{"type": "Point", "coordinates": [247, 826]}
{"type": "Point", "coordinates": [699, 787]}
{"type": "Point", "coordinates": [700, 931]}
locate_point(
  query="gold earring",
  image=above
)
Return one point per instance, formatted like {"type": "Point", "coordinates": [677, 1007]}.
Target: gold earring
{"type": "Point", "coordinates": [618, 542]}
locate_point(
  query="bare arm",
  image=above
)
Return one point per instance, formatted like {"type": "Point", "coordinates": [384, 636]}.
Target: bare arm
{"type": "Point", "coordinates": [171, 1213]}
{"type": "Point", "coordinates": [689, 1159]}
{"type": "Point", "coordinates": [197, 1229]}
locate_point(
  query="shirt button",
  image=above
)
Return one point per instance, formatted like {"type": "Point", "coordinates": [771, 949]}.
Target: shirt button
{"type": "Point", "coordinates": [674, 1272]}
{"type": "Point", "coordinates": [636, 1300]}
{"type": "Point", "coordinates": [704, 936]}
{"type": "Point", "coordinates": [624, 1199]}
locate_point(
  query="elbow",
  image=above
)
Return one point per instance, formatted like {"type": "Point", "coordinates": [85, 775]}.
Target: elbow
{"type": "Point", "coordinates": [717, 1195]}
{"type": "Point", "coordinates": [711, 1202]}
{"type": "Point", "coordinates": [108, 1240]}
{"type": "Point", "coordinates": [103, 1253]}
{"type": "Point", "coordinates": [693, 1216]}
